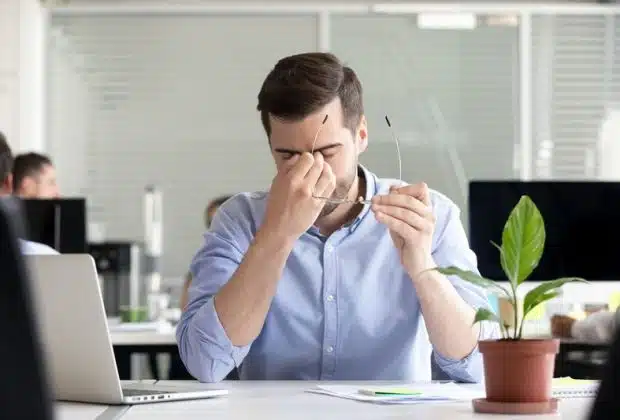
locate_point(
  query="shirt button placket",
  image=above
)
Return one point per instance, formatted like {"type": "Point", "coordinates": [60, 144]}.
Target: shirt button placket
{"type": "Point", "coordinates": [330, 280]}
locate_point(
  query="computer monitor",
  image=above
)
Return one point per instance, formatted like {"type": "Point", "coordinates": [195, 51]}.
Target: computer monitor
{"type": "Point", "coordinates": [58, 223]}
{"type": "Point", "coordinates": [24, 389]}
{"type": "Point", "coordinates": [582, 222]}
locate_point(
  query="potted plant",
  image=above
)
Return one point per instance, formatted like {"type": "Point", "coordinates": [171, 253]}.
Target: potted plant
{"type": "Point", "coordinates": [518, 372]}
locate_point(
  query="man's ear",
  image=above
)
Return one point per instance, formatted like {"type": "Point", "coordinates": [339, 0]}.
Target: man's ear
{"type": "Point", "coordinates": [362, 135]}
{"type": "Point", "coordinates": [7, 185]}
{"type": "Point", "coordinates": [28, 186]}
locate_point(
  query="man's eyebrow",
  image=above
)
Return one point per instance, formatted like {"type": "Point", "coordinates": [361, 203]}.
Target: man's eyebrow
{"type": "Point", "coordinates": [320, 149]}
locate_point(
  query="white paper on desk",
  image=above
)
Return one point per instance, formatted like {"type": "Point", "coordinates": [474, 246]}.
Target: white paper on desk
{"type": "Point", "coordinates": [432, 392]}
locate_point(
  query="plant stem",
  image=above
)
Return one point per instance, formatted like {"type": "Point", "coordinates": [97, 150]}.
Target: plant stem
{"type": "Point", "coordinates": [515, 307]}
{"type": "Point", "coordinates": [503, 329]}
{"type": "Point", "coordinates": [521, 327]}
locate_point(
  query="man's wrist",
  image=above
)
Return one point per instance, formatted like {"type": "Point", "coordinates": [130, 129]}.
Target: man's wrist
{"type": "Point", "coordinates": [422, 269]}
{"type": "Point", "coordinates": [274, 240]}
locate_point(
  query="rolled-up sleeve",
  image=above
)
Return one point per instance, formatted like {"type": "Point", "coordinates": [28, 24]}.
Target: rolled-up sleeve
{"type": "Point", "coordinates": [452, 249]}
{"type": "Point", "coordinates": [204, 346]}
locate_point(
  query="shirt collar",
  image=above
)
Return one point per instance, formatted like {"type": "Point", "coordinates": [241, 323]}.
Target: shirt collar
{"type": "Point", "coordinates": [371, 186]}
{"type": "Point", "coordinates": [370, 192]}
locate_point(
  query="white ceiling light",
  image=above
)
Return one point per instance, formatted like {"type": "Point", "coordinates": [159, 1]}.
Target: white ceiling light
{"type": "Point", "coordinates": [447, 21]}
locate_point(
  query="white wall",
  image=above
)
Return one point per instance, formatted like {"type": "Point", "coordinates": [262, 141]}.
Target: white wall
{"type": "Point", "coordinates": [9, 68]}
{"type": "Point", "coordinates": [22, 85]}
{"type": "Point", "coordinates": [68, 96]}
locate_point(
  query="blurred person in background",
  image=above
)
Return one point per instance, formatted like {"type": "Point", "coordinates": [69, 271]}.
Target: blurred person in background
{"type": "Point", "coordinates": [177, 368]}
{"type": "Point", "coordinates": [598, 327]}
{"type": "Point", "coordinates": [210, 211]}
{"type": "Point", "coordinates": [34, 176]}
{"type": "Point", "coordinates": [6, 189]}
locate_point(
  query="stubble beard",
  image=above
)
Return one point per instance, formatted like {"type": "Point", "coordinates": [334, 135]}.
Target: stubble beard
{"type": "Point", "coordinates": [340, 192]}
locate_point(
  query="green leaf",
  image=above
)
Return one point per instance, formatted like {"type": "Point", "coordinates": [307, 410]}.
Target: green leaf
{"type": "Point", "coordinates": [546, 291]}
{"type": "Point", "coordinates": [523, 241]}
{"type": "Point", "coordinates": [540, 299]}
{"type": "Point", "coordinates": [502, 258]}
{"type": "Point", "coordinates": [483, 314]}
{"type": "Point", "coordinates": [471, 277]}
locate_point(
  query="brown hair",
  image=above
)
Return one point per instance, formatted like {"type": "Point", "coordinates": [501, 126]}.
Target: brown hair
{"type": "Point", "coordinates": [215, 203]}
{"type": "Point", "coordinates": [28, 164]}
{"type": "Point", "coordinates": [6, 159]}
{"type": "Point", "coordinates": [301, 84]}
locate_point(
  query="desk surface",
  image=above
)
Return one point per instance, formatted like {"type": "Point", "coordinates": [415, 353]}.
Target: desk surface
{"type": "Point", "coordinates": [285, 400]}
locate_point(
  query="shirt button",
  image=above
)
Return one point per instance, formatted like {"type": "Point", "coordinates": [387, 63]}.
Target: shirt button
{"type": "Point", "coordinates": [330, 349]}
{"type": "Point", "coordinates": [330, 298]}
{"type": "Point", "coordinates": [329, 248]}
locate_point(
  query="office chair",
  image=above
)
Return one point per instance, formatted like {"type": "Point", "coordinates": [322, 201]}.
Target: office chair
{"type": "Point", "coordinates": [23, 383]}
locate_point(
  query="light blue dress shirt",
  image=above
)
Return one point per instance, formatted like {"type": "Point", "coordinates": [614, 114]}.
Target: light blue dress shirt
{"type": "Point", "coordinates": [344, 309]}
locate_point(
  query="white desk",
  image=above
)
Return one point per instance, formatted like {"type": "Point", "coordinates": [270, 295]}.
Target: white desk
{"type": "Point", "coordinates": [287, 400]}
{"type": "Point", "coordinates": [74, 411]}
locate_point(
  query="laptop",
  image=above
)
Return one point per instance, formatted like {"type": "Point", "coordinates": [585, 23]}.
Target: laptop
{"type": "Point", "coordinates": [76, 338]}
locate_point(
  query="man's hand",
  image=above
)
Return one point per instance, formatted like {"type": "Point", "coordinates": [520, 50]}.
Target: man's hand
{"type": "Point", "coordinates": [407, 213]}
{"type": "Point", "coordinates": [291, 207]}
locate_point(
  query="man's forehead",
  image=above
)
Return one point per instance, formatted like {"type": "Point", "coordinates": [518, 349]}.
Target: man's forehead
{"type": "Point", "coordinates": [47, 170]}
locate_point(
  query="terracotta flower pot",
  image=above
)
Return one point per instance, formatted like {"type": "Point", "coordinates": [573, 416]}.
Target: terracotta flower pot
{"type": "Point", "coordinates": [519, 371]}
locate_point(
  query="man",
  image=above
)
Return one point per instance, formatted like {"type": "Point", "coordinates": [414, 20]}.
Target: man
{"type": "Point", "coordinates": [6, 188]}
{"type": "Point", "coordinates": [297, 287]}
{"type": "Point", "coordinates": [34, 176]}
{"type": "Point", "coordinates": [212, 208]}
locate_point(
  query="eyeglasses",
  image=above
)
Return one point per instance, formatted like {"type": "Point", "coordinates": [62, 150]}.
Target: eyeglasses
{"type": "Point", "coordinates": [360, 200]}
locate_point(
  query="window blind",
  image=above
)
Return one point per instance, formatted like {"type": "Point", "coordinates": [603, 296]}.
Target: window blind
{"type": "Point", "coordinates": [166, 100]}
{"type": "Point", "coordinates": [452, 96]}
{"type": "Point", "coordinates": [575, 78]}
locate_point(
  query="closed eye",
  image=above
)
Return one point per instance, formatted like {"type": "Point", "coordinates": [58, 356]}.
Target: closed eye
{"type": "Point", "coordinates": [287, 155]}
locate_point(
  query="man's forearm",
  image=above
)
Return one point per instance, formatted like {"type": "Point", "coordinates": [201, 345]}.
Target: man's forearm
{"type": "Point", "coordinates": [242, 303]}
{"type": "Point", "coordinates": [447, 316]}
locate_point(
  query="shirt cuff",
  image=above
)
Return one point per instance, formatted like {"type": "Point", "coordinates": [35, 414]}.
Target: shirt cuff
{"type": "Point", "coordinates": [210, 328]}
{"type": "Point", "coordinates": [470, 367]}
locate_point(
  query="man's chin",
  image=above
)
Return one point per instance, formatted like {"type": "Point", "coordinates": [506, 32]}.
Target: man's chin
{"type": "Point", "coordinates": [328, 208]}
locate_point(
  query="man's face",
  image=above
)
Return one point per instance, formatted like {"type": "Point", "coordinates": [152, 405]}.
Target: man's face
{"type": "Point", "coordinates": [41, 185]}
{"type": "Point", "coordinates": [340, 148]}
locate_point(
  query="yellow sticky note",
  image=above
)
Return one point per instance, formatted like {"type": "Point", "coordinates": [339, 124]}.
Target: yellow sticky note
{"type": "Point", "coordinates": [614, 301]}
{"type": "Point", "coordinates": [567, 381]}
{"type": "Point", "coordinates": [537, 313]}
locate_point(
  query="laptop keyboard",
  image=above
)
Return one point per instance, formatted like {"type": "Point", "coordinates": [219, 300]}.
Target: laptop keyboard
{"type": "Point", "coordinates": [140, 392]}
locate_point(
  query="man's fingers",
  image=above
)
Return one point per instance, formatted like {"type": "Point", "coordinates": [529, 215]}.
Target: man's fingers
{"type": "Point", "coordinates": [315, 171]}
{"type": "Point", "coordinates": [419, 191]}
{"type": "Point", "coordinates": [326, 183]}
{"type": "Point", "coordinates": [301, 166]}
{"type": "Point", "coordinates": [404, 201]}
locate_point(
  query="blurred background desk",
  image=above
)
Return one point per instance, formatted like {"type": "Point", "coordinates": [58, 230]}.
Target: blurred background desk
{"type": "Point", "coordinates": [129, 343]}
{"type": "Point", "coordinates": [581, 360]}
